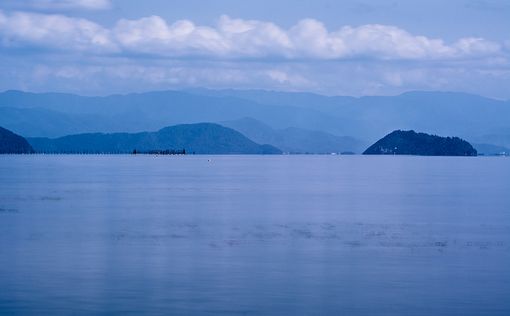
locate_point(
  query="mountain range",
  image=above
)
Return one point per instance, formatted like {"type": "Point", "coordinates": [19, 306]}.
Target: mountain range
{"type": "Point", "coordinates": [296, 140]}
{"type": "Point", "coordinates": [293, 122]}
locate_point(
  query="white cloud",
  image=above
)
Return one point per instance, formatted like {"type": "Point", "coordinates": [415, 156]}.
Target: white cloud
{"type": "Point", "coordinates": [288, 78]}
{"type": "Point", "coordinates": [113, 74]}
{"type": "Point", "coordinates": [235, 39]}
{"type": "Point", "coordinates": [477, 47]}
{"type": "Point", "coordinates": [153, 35]}
{"type": "Point", "coordinates": [80, 55]}
{"type": "Point", "coordinates": [253, 38]}
{"type": "Point", "coordinates": [22, 29]}
{"type": "Point", "coordinates": [231, 38]}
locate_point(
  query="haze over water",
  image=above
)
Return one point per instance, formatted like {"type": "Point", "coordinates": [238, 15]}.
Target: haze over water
{"type": "Point", "coordinates": [344, 235]}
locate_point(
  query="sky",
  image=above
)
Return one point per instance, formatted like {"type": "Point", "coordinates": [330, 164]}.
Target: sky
{"type": "Point", "coordinates": [100, 47]}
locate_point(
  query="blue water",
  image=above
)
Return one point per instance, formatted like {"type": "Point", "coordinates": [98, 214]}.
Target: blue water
{"type": "Point", "coordinates": [250, 235]}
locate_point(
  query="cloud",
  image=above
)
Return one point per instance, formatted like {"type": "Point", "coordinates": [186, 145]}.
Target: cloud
{"type": "Point", "coordinates": [52, 31]}
{"type": "Point", "coordinates": [153, 35]}
{"type": "Point", "coordinates": [42, 51]}
{"type": "Point", "coordinates": [309, 38]}
{"type": "Point", "coordinates": [232, 39]}
{"type": "Point", "coordinates": [96, 74]}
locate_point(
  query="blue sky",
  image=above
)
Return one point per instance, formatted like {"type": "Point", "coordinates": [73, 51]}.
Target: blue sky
{"type": "Point", "coordinates": [329, 47]}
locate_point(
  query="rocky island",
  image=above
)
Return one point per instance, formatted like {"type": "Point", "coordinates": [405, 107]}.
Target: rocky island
{"type": "Point", "coordinates": [11, 143]}
{"type": "Point", "coordinates": [421, 144]}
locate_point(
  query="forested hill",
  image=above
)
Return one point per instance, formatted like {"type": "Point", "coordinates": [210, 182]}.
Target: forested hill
{"type": "Point", "coordinates": [412, 143]}
{"type": "Point", "coordinates": [11, 143]}
{"type": "Point", "coordinates": [201, 138]}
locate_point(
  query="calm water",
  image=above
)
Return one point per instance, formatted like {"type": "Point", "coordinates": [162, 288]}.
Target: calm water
{"type": "Point", "coordinates": [316, 235]}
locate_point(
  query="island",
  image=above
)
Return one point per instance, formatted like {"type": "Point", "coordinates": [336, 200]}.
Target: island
{"type": "Point", "coordinates": [412, 143]}
{"type": "Point", "coordinates": [11, 143]}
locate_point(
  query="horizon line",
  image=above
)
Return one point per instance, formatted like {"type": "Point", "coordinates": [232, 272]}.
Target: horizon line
{"type": "Point", "coordinates": [190, 90]}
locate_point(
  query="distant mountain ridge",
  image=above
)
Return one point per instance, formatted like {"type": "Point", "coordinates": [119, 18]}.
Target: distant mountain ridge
{"type": "Point", "coordinates": [201, 138]}
{"type": "Point", "coordinates": [140, 111]}
{"type": "Point", "coordinates": [295, 140]}
{"type": "Point", "coordinates": [412, 143]}
{"type": "Point", "coordinates": [476, 118]}
{"type": "Point", "coordinates": [491, 150]}
{"type": "Point", "coordinates": [449, 113]}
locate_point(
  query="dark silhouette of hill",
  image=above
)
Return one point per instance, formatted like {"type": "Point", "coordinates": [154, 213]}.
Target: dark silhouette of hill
{"type": "Point", "coordinates": [202, 138]}
{"type": "Point", "coordinates": [11, 143]}
{"type": "Point", "coordinates": [412, 143]}
{"type": "Point", "coordinates": [295, 140]}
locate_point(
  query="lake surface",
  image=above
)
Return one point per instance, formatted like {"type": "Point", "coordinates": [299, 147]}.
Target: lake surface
{"type": "Point", "coordinates": [249, 235]}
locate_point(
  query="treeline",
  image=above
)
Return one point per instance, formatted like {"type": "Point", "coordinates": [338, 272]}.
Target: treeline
{"type": "Point", "coordinates": [115, 152]}
{"type": "Point", "coordinates": [160, 152]}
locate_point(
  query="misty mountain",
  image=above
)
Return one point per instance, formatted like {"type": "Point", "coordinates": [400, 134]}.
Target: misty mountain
{"type": "Point", "coordinates": [43, 122]}
{"type": "Point", "coordinates": [488, 149]}
{"type": "Point", "coordinates": [54, 114]}
{"type": "Point", "coordinates": [295, 140]}
{"type": "Point", "coordinates": [202, 138]}
{"type": "Point", "coordinates": [468, 115]}
{"type": "Point", "coordinates": [501, 139]}
{"type": "Point", "coordinates": [144, 111]}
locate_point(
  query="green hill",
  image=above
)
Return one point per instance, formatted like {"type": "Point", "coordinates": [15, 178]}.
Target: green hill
{"type": "Point", "coordinates": [412, 143]}
{"type": "Point", "coordinates": [11, 143]}
{"type": "Point", "coordinates": [202, 138]}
